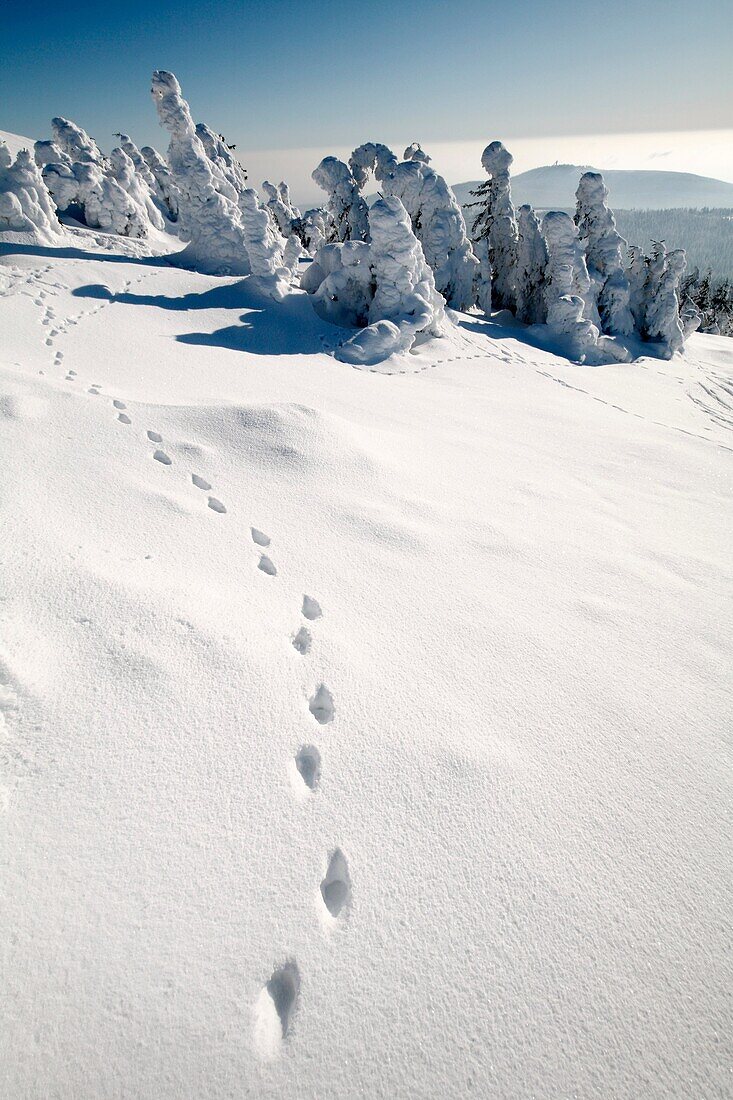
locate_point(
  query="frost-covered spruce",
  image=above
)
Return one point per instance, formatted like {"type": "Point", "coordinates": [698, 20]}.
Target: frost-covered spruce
{"type": "Point", "coordinates": [166, 189]}
{"type": "Point", "coordinates": [406, 304]}
{"type": "Point", "coordinates": [264, 246]}
{"type": "Point", "coordinates": [497, 225]}
{"type": "Point", "coordinates": [311, 229]}
{"type": "Point", "coordinates": [662, 318]}
{"type": "Point", "coordinates": [636, 274]}
{"type": "Point", "coordinates": [145, 175]}
{"type": "Point", "coordinates": [75, 142]}
{"type": "Point", "coordinates": [341, 281]}
{"type": "Point", "coordinates": [604, 249]}
{"type": "Point", "coordinates": [122, 169]}
{"type": "Point", "coordinates": [348, 213]}
{"type": "Point", "coordinates": [210, 219]}
{"type": "Point", "coordinates": [436, 217]}
{"type": "Point", "coordinates": [531, 269]}
{"type": "Point", "coordinates": [279, 207]}
{"type": "Point", "coordinates": [565, 308]}
{"type": "Point", "coordinates": [221, 156]}
{"type": "Point", "coordinates": [25, 203]}
{"type": "Point", "coordinates": [292, 254]}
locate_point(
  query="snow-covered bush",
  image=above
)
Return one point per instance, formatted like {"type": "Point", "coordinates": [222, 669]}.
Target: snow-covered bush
{"type": "Point", "coordinates": [341, 280]}
{"type": "Point", "coordinates": [496, 224]}
{"type": "Point", "coordinates": [279, 207]}
{"type": "Point", "coordinates": [347, 212]}
{"type": "Point", "coordinates": [209, 213]}
{"type": "Point", "coordinates": [531, 269]}
{"type": "Point", "coordinates": [565, 307]}
{"type": "Point", "coordinates": [436, 217]}
{"type": "Point", "coordinates": [165, 186]}
{"type": "Point", "coordinates": [604, 248]}
{"type": "Point", "coordinates": [25, 203]}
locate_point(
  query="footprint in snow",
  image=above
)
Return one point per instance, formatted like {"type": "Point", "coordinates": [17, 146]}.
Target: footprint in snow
{"type": "Point", "coordinates": [124, 418]}
{"type": "Point", "coordinates": [259, 537]}
{"type": "Point", "coordinates": [311, 608]}
{"type": "Point", "coordinates": [336, 886]}
{"type": "Point", "coordinates": [200, 483]}
{"type": "Point", "coordinates": [161, 456]}
{"type": "Point", "coordinates": [94, 390]}
{"type": "Point", "coordinates": [216, 505]}
{"type": "Point", "coordinates": [155, 437]}
{"type": "Point", "coordinates": [321, 705]}
{"type": "Point", "coordinates": [303, 640]}
{"type": "Point", "coordinates": [308, 763]}
{"type": "Point", "coordinates": [275, 1008]}
{"type": "Point", "coordinates": [118, 404]}
{"type": "Point", "coordinates": [267, 566]}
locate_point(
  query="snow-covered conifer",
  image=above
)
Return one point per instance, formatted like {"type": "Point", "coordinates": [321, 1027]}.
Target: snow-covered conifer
{"type": "Point", "coordinates": [264, 246]}
{"type": "Point", "coordinates": [636, 274]}
{"type": "Point", "coordinates": [436, 217]}
{"type": "Point", "coordinates": [279, 207]}
{"type": "Point", "coordinates": [496, 223]}
{"type": "Point", "coordinates": [220, 154]}
{"type": "Point", "coordinates": [311, 229]}
{"type": "Point", "coordinates": [603, 247]}
{"type": "Point", "coordinates": [565, 307]}
{"type": "Point", "coordinates": [75, 142]}
{"type": "Point", "coordinates": [122, 169]}
{"type": "Point", "coordinates": [292, 254]}
{"type": "Point", "coordinates": [210, 219]}
{"type": "Point", "coordinates": [347, 210]}
{"type": "Point", "coordinates": [662, 318]}
{"type": "Point", "coordinates": [166, 189]}
{"type": "Point", "coordinates": [25, 203]}
{"type": "Point", "coordinates": [531, 269]}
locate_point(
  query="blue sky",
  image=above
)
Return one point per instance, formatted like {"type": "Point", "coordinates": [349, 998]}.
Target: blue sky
{"type": "Point", "coordinates": [283, 75]}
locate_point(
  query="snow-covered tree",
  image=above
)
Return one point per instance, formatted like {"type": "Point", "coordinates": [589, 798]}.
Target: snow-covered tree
{"type": "Point", "coordinates": [209, 212]}
{"type": "Point", "coordinates": [496, 224]}
{"type": "Point", "coordinates": [264, 246]}
{"type": "Point", "coordinates": [25, 203]}
{"type": "Point", "coordinates": [662, 318]}
{"type": "Point", "coordinates": [436, 217]}
{"type": "Point", "coordinates": [122, 169]}
{"type": "Point", "coordinates": [292, 254]}
{"type": "Point", "coordinates": [311, 228]}
{"type": "Point", "coordinates": [347, 211]}
{"type": "Point", "coordinates": [279, 207]}
{"type": "Point", "coordinates": [166, 189]}
{"type": "Point", "coordinates": [604, 249]}
{"type": "Point", "coordinates": [636, 274]}
{"type": "Point", "coordinates": [221, 155]}
{"type": "Point", "coordinates": [565, 307]}
{"type": "Point", "coordinates": [531, 269]}
{"type": "Point", "coordinates": [341, 280]}
{"type": "Point", "coordinates": [75, 142]}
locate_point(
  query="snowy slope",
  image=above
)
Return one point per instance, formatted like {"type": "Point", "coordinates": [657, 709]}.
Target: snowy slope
{"type": "Point", "coordinates": [554, 186]}
{"type": "Point", "coordinates": [15, 142]}
{"type": "Point", "coordinates": [523, 573]}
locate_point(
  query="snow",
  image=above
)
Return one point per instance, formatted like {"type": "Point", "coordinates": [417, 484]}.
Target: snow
{"type": "Point", "coordinates": [436, 806]}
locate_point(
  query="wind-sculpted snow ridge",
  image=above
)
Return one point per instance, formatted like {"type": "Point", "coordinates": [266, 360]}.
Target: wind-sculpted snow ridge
{"type": "Point", "coordinates": [384, 286]}
{"type": "Point", "coordinates": [26, 209]}
{"type": "Point", "coordinates": [436, 217]}
{"type": "Point", "coordinates": [348, 214]}
{"type": "Point", "coordinates": [603, 247]}
{"type": "Point", "coordinates": [209, 213]}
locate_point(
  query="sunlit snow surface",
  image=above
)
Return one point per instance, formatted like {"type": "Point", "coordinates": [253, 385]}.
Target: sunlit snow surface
{"type": "Point", "coordinates": [363, 734]}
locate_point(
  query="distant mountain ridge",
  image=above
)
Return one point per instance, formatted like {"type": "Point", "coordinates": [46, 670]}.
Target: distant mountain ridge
{"type": "Point", "coordinates": [554, 186]}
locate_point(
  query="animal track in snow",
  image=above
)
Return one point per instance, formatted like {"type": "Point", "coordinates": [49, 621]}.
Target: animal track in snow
{"type": "Point", "coordinates": [154, 437]}
{"type": "Point", "coordinates": [308, 763]}
{"type": "Point", "coordinates": [311, 608]}
{"type": "Point", "coordinates": [275, 1008]}
{"type": "Point", "coordinates": [200, 483]}
{"type": "Point", "coordinates": [303, 640]}
{"type": "Point", "coordinates": [124, 418]}
{"type": "Point", "coordinates": [72, 373]}
{"type": "Point", "coordinates": [94, 390]}
{"type": "Point", "coordinates": [336, 886]}
{"type": "Point", "coordinates": [161, 456]}
{"type": "Point", "coordinates": [259, 537]}
{"type": "Point", "coordinates": [267, 566]}
{"type": "Point", "coordinates": [216, 505]}
{"type": "Point", "coordinates": [321, 705]}
{"type": "Point", "coordinates": [119, 404]}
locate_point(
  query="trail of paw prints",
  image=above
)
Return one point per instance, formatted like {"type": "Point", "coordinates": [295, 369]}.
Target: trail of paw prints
{"type": "Point", "coordinates": [214, 503]}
